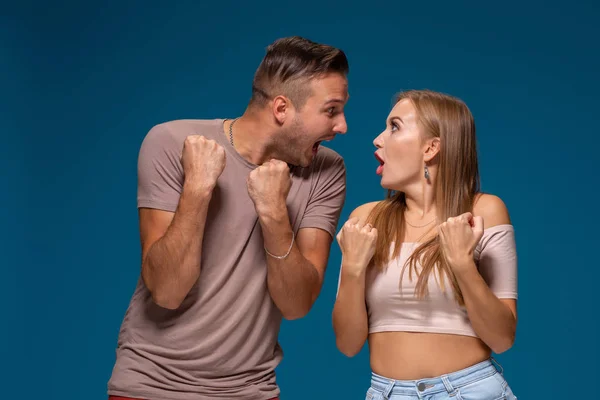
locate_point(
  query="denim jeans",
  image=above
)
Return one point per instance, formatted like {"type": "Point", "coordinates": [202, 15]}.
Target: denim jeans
{"type": "Point", "coordinates": [478, 382]}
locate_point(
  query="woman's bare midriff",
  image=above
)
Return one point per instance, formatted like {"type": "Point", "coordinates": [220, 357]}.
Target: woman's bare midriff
{"type": "Point", "coordinates": [409, 356]}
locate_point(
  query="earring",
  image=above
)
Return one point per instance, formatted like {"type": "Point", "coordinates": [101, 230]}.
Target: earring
{"type": "Point", "coordinates": [426, 172]}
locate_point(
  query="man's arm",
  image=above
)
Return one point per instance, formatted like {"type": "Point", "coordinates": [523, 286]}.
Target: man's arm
{"type": "Point", "coordinates": [295, 281]}
{"type": "Point", "coordinates": [175, 186]}
{"type": "Point", "coordinates": [172, 247]}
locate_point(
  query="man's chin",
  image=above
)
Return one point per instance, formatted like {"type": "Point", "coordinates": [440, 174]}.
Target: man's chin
{"type": "Point", "coordinates": [303, 161]}
{"type": "Point", "coordinates": [306, 161]}
{"type": "Point", "coordinates": [300, 164]}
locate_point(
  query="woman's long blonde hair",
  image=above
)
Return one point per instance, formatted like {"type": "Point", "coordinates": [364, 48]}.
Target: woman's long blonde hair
{"type": "Point", "coordinates": [449, 119]}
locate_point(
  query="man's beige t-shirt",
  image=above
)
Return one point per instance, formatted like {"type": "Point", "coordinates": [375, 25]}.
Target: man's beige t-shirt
{"type": "Point", "coordinates": [221, 343]}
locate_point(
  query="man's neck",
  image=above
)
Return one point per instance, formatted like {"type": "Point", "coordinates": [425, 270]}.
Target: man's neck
{"type": "Point", "coordinates": [252, 137]}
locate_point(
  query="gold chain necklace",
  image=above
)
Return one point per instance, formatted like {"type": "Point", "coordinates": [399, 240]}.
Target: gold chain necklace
{"type": "Point", "coordinates": [419, 226]}
{"type": "Point", "coordinates": [231, 131]}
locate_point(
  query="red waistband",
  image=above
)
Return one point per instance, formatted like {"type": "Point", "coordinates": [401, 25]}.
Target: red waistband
{"type": "Point", "coordinates": [131, 398]}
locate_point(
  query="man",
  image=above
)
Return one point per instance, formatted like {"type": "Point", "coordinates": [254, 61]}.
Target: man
{"type": "Point", "coordinates": [236, 222]}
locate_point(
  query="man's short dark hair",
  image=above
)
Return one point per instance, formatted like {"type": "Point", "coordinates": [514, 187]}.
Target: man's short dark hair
{"type": "Point", "coordinates": [290, 64]}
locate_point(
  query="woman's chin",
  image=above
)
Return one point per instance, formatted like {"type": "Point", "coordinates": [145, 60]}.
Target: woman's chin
{"type": "Point", "coordinates": [390, 185]}
{"type": "Point", "coordinates": [385, 184]}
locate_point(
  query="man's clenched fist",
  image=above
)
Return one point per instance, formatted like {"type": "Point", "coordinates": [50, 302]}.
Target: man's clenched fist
{"type": "Point", "coordinates": [203, 161]}
{"type": "Point", "coordinates": [269, 185]}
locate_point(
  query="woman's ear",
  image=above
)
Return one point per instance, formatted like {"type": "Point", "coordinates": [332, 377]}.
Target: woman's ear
{"type": "Point", "coordinates": [432, 149]}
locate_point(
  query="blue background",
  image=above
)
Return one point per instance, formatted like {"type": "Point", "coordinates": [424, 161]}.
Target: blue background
{"type": "Point", "coordinates": [82, 85]}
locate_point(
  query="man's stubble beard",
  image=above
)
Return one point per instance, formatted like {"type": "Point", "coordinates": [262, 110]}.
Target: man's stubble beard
{"type": "Point", "coordinates": [292, 146]}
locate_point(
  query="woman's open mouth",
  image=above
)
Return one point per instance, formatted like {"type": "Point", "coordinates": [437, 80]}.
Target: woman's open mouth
{"type": "Point", "coordinates": [381, 162]}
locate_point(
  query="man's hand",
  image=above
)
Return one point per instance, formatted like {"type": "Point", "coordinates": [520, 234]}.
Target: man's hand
{"type": "Point", "coordinates": [268, 187]}
{"type": "Point", "coordinates": [203, 162]}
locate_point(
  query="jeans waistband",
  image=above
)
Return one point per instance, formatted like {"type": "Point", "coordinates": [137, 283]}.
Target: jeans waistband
{"type": "Point", "coordinates": [443, 383]}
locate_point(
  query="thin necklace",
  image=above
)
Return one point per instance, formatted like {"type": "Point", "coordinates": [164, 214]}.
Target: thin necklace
{"type": "Point", "coordinates": [419, 226]}
{"type": "Point", "coordinates": [231, 131]}
{"type": "Point", "coordinates": [291, 167]}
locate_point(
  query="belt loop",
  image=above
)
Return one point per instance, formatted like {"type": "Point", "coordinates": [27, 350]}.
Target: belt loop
{"type": "Point", "coordinates": [388, 389]}
{"type": "Point", "coordinates": [449, 388]}
{"type": "Point", "coordinates": [499, 367]}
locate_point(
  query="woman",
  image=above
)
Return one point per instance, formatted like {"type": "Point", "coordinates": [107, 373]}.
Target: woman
{"type": "Point", "coordinates": [429, 274]}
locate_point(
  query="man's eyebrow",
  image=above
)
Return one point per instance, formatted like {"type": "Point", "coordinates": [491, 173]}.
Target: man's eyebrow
{"type": "Point", "coordinates": [335, 100]}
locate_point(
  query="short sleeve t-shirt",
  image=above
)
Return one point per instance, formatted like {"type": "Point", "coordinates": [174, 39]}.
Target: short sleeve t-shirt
{"type": "Point", "coordinates": [221, 343]}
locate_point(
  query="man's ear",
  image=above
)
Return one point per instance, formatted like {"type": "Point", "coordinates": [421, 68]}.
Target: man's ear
{"type": "Point", "coordinates": [282, 106]}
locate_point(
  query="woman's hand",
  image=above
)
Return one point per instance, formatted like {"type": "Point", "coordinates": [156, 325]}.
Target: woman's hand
{"type": "Point", "coordinates": [357, 242]}
{"type": "Point", "coordinates": [458, 238]}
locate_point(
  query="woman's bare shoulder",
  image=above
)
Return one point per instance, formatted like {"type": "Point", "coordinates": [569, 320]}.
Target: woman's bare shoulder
{"type": "Point", "coordinates": [363, 211]}
{"type": "Point", "coordinates": [492, 209]}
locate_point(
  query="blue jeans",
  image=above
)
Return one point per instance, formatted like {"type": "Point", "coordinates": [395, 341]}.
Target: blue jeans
{"type": "Point", "coordinates": [478, 382]}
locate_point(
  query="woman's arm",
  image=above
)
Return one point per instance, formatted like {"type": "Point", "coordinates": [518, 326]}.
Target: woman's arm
{"type": "Point", "coordinates": [493, 319]}
{"type": "Point", "coordinates": [357, 242]}
{"type": "Point", "coordinates": [350, 322]}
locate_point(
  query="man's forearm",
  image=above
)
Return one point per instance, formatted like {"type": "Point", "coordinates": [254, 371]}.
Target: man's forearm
{"type": "Point", "coordinates": [293, 282]}
{"type": "Point", "coordinates": [492, 320]}
{"type": "Point", "coordinates": [172, 264]}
